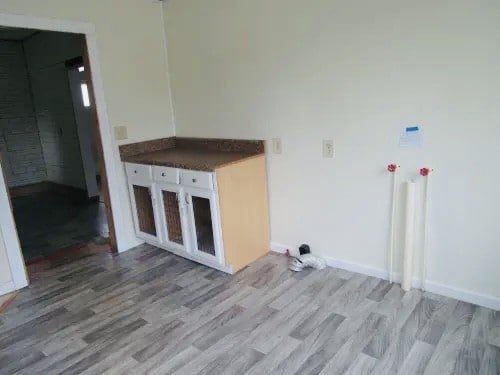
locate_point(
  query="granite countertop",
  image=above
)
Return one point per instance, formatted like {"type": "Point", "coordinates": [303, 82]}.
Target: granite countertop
{"type": "Point", "coordinates": [200, 154]}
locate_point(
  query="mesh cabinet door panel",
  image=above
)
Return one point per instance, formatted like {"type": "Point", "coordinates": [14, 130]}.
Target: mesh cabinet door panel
{"type": "Point", "coordinates": [173, 217]}
{"type": "Point", "coordinates": [203, 225]}
{"type": "Point", "coordinates": [145, 212]}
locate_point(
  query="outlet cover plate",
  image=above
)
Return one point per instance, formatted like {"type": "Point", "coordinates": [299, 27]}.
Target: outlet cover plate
{"type": "Point", "coordinates": [277, 146]}
{"type": "Point", "coordinates": [328, 148]}
{"type": "Point", "coordinates": [120, 132]}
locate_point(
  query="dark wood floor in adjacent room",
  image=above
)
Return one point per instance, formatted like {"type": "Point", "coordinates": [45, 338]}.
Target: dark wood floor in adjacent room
{"type": "Point", "coordinates": [147, 311]}
{"type": "Point", "coordinates": [49, 222]}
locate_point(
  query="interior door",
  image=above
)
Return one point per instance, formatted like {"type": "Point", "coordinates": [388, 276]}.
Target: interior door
{"type": "Point", "coordinates": [203, 223]}
{"type": "Point", "coordinates": [6, 282]}
{"type": "Point", "coordinates": [172, 217]}
{"type": "Point", "coordinates": [13, 273]}
{"type": "Point", "coordinates": [144, 210]}
{"type": "Point", "coordinates": [83, 118]}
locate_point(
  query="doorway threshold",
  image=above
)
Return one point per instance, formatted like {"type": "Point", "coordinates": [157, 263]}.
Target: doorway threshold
{"type": "Point", "coordinates": [66, 256]}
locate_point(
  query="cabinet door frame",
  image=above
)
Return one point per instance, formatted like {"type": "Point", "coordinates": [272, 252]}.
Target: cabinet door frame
{"type": "Point", "coordinates": [151, 186]}
{"type": "Point", "coordinates": [186, 237]}
{"type": "Point", "coordinates": [189, 192]}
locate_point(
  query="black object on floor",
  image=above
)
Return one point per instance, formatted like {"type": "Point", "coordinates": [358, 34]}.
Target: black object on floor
{"type": "Point", "coordinates": [304, 249]}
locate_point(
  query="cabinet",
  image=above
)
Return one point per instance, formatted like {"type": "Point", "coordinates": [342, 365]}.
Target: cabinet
{"type": "Point", "coordinates": [215, 218]}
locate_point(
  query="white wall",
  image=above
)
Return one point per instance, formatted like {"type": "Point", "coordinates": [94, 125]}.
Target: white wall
{"type": "Point", "coordinates": [20, 146]}
{"type": "Point", "coordinates": [355, 72]}
{"type": "Point", "coordinates": [133, 66]}
{"type": "Point", "coordinates": [46, 54]}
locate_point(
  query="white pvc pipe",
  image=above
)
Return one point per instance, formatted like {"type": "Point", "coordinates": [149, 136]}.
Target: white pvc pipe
{"type": "Point", "coordinates": [409, 235]}
{"type": "Point", "coordinates": [393, 224]}
{"type": "Point", "coordinates": [425, 231]}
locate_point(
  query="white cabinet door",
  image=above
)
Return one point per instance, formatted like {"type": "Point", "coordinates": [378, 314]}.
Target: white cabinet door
{"type": "Point", "coordinates": [172, 217]}
{"type": "Point", "coordinates": [145, 210]}
{"type": "Point", "coordinates": [204, 224]}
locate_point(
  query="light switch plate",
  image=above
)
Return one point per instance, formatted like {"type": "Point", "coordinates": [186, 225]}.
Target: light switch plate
{"type": "Point", "coordinates": [328, 148]}
{"type": "Point", "coordinates": [120, 132]}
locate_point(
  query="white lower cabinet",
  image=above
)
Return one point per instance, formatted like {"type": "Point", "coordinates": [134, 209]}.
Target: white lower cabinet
{"type": "Point", "coordinates": [182, 218]}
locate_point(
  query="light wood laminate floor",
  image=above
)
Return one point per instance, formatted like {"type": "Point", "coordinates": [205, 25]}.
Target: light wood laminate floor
{"type": "Point", "coordinates": [147, 311]}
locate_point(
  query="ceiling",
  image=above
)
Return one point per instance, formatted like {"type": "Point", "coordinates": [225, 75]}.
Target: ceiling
{"type": "Point", "coordinates": [15, 34]}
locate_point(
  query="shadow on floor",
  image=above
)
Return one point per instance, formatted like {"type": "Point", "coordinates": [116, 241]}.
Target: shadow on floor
{"type": "Point", "coordinates": [49, 222]}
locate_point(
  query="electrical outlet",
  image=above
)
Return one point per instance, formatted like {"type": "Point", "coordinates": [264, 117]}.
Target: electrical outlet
{"type": "Point", "coordinates": [327, 148]}
{"type": "Point", "coordinates": [277, 146]}
{"type": "Point", "coordinates": [120, 132]}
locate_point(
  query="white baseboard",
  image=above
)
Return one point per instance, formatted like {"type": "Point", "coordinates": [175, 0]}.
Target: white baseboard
{"type": "Point", "coordinates": [431, 286]}
{"type": "Point", "coordinates": [7, 288]}
{"type": "Point", "coordinates": [464, 295]}
{"type": "Point", "coordinates": [337, 263]}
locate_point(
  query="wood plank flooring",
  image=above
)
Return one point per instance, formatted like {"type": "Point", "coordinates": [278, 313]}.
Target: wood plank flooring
{"type": "Point", "coordinates": [6, 299]}
{"type": "Point", "coordinates": [148, 311]}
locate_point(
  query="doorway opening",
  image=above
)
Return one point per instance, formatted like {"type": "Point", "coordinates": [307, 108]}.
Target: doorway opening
{"type": "Point", "coordinates": [50, 147]}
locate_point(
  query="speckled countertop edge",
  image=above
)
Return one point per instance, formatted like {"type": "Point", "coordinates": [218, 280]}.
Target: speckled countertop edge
{"type": "Point", "coordinates": [192, 166]}
{"type": "Point", "coordinates": [147, 152]}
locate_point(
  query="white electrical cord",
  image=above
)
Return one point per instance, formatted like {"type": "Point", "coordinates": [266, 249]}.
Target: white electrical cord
{"type": "Point", "coordinates": [306, 260]}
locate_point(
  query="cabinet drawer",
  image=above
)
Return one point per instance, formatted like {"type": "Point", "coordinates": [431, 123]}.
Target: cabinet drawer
{"type": "Point", "coordinates": [197, 179]}
{"type": "Point", "coordinates": [138, 170]}
{"type": "Point", "coordinates": [166, 174]}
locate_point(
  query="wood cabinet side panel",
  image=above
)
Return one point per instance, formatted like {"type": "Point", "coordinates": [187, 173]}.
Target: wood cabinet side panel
{"type": "Point", "coordinates": [244, 211]}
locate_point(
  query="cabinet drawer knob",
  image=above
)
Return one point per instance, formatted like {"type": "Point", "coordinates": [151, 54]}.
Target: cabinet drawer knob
{"type": "Point", "coordinates": [194, 180]}
{"type": "Point", "coordinates": [163, 174]}
{"type": "Point", "coordinates": [135, 171]}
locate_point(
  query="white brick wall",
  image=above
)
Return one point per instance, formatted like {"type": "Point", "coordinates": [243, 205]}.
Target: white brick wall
{"type": "Point", "coordinates": [46, 54]}
{"type": "Point", "coordinates": [20, 146]}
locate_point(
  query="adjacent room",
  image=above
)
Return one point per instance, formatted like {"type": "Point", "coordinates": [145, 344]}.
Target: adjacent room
{"type": "Point", "coordinates": [249, 187]}
{"type": "Point", "coordinates": [49, 157]}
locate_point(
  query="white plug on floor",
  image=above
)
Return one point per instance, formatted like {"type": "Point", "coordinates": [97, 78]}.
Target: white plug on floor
{"type": "Point", "coordinates": [306, 260]}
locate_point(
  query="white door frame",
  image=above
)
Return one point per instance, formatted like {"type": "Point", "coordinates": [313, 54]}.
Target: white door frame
{"type": "Point", "coordinates": [111, 161]}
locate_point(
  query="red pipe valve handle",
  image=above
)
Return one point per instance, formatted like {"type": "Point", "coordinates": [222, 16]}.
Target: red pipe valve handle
{"type": "Point", "coordinates": [392, 168]}
{"type": "Point", "coordinates": [424, 171]}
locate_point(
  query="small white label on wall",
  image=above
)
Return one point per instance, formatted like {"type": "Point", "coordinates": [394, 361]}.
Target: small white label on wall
{"type": "Point", "coordinates": [411, 137]}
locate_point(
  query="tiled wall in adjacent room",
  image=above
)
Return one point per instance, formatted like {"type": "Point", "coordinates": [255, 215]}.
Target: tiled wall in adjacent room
{"type": "Point", "coordinates": [20, 146]}
{"type": "Point", "coordinates": [46, 54]}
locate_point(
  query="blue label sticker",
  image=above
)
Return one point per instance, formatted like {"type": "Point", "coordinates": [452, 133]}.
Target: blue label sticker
{"type": "Point", "coordinates": [412, 129]}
